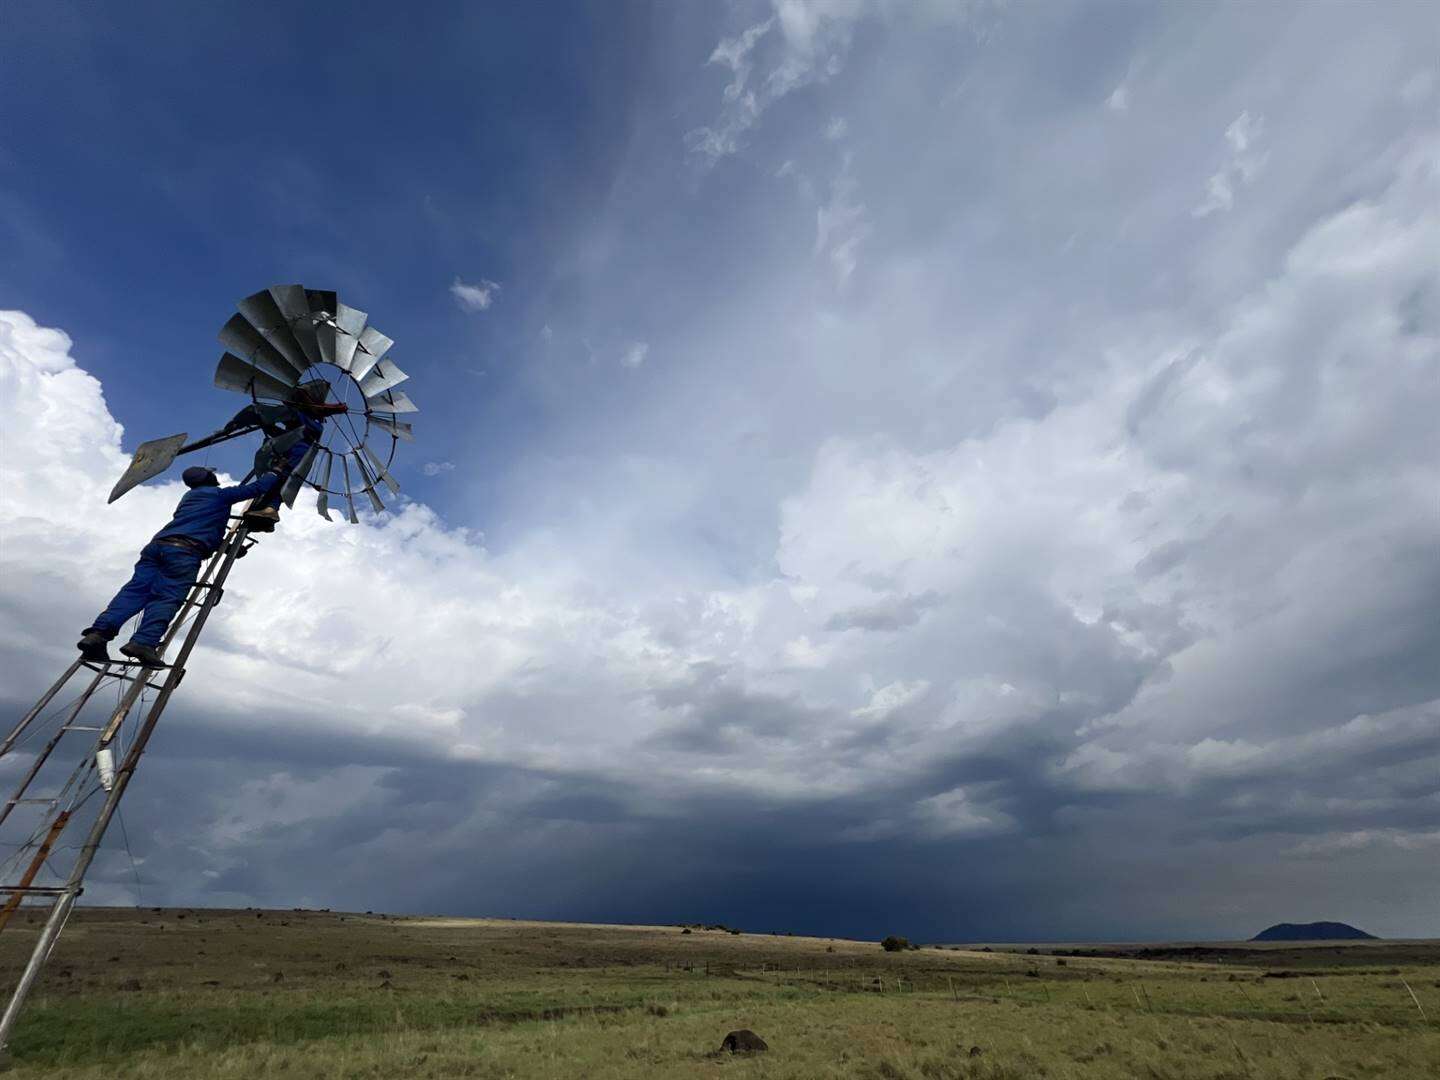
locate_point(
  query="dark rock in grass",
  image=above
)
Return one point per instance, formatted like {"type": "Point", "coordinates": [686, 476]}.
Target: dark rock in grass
{"type": "Point", "coordinates": [130, 984]}
{"type": "Point", "coordinates": [279, 976]}
{"type": "Point", "coordinates": [383, 974]}
{"type": "Point", "coordinates": [975, 1051]}
{"type": "Point", "coordinates": [686, 930]}
{"type": "Point", "coordinates": [743, 1041]}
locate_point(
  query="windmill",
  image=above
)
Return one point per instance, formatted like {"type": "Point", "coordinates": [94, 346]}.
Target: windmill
{"type": "Point", "coordinates": [77, 747]}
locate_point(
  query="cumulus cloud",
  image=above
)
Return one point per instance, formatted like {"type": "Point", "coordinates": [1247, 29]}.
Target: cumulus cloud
{"type": "Point", "coordinates": [476, 297]}
{"type": "Point", "coordinates": [437, 468]}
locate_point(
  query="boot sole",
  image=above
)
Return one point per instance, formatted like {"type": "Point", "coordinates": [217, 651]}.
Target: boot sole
{"type": "Point", "coordinates": [143, 661]}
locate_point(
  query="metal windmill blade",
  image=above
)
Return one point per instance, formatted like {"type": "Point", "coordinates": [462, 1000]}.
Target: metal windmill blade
{"type": "Point", "coordinates": [349, 494]}
{"type": "Point", "coordinates": [373, 345]}
{"type": "Point", "coordinates": [235, 374]}
{"type": "Point", "coordinates": [377, 467]}
{"type": "Point", "coordinates": [391, 402]}
{"type": "Point", "coordinates": [382, 376]}
{"type": "Point", "coordinates": [322, 498]}
{"type": "Point", "coordinates": [294, 306]}
{"type": "Point", "coordinates": [349, 325]}
{"type": "Point", "coordinates": [369, 488]}
{"type": "Point", "coordinates": [242, 339]}
{"type": "Point", "coordinates": [398, 428]}
{"type": "Point", "coordinates": [296, 480]}
{"type": "Point", "coordinates": [261, 312]}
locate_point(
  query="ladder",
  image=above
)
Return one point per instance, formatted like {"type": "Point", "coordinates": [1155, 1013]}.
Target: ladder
{"type": "Point", "coordinates": [41, 733]}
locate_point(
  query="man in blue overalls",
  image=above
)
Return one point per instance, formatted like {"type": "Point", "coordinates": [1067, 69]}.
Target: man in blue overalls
{"type": "Point", "coordinates": [169, 565]}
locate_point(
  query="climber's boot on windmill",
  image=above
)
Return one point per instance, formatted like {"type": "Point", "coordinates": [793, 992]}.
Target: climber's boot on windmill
{"type": "Point", "coordinates": [261, 518]}
{"type": "Point", "coordinates": [148, 655]}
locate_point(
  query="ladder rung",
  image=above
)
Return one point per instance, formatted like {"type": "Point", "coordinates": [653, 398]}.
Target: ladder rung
{"type": "Point", "coordinates": [81, 727]}
{"type": "Point", "coordinates": [44, 890]}
{"type": "Point", "coordinates": [17, 802]}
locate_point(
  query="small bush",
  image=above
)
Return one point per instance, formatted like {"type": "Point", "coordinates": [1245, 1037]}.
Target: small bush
{"type": "Point", "coordinates": [892, 943]}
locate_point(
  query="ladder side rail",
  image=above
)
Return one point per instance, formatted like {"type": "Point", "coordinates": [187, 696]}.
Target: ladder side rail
{"type": "Point", "coordinates": [38, 707]}
{"type": "Point", "coordinates": [43, 755]}
{"type": "Point", "coordinates": [36, 863]}
{"type": "Point", "coordinates": [65, 902]}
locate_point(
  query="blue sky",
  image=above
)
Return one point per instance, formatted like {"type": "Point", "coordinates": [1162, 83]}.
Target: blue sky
{"type": "Point", "coordinates": [961, 466]}
{"type": "Point", "coordinates": [158, 168]}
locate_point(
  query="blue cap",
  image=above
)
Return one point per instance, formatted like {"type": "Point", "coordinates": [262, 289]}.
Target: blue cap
{"type": "Point", "coordinates": [199, 476]}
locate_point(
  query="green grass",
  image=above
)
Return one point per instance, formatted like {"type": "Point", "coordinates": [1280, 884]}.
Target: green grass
{"type": "Point", "coordinates": [373, 997]}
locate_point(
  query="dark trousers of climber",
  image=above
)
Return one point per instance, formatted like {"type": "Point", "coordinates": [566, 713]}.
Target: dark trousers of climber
{"type": "Point", "coordinates": [162, 577]}
{"type": "Point", "coordinates": [290, 462]}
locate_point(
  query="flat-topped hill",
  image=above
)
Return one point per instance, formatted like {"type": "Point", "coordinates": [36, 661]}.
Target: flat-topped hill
{"type": "Point", "coordinates": [1313, 931]}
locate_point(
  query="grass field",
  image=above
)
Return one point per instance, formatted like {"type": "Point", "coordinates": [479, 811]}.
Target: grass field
{"type": "Point", "coordinates": [184, 994]}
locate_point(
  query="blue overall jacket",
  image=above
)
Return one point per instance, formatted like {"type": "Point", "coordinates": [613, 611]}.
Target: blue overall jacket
{"type": "Point", "coordinates": [203, 512]}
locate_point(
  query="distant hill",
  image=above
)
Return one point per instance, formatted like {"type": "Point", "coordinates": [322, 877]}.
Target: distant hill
{"type": "Point", "coordinates": [1312, 931]}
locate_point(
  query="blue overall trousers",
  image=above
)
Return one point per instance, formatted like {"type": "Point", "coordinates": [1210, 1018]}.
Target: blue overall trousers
{"type": "Point", "coordinates": [162, 577]}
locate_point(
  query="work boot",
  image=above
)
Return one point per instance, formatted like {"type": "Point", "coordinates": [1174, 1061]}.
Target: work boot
{"type": "Point", "coordinates": [148, 655]}
{"type": "Point", "coordinates": [92, 647]}
{"type": "Point", "coordinates": [262, 519]}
